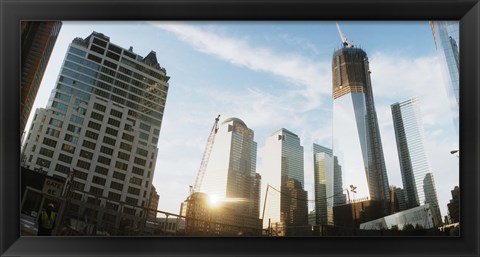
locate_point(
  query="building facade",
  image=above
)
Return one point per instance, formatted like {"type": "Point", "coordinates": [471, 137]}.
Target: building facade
{"type": "Point", "coordinates": [37, 41]}
{"type": "Point", "coordinates": [417, 175]}
{"type": "Point", "coordinates": [327, 183]}
{"type": "Point", "coordinates": [230, 179]}
{"type": "Point", "coordinates": [446, 37]}
{"type": "Point", "coordinates": [454, 206]}
{"type": "Point", "coordinates": [285, 200]}
{"type": "Point", "coordinates": [102, 121]}
{"type": "Point", "coordinates": [153, 204]}
{"type": "Point", "coordinates": [356, 136]}
{"type": "Point", "coordinates": [431, 198]}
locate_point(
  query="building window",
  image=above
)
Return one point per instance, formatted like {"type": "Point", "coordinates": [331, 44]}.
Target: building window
{"type": "Point", "coordinates": [99, 107]}
{"type": "Point", "coordinates": [123, 156]}
{"type": "Point", "coordinates": [139, 161]}
{"type": "Point", "coordinates": [114, 196]}
{"type": "Point", "coordinates": [111, 131]}
{"type": "Point", "coordinates": [44, 163]}
{"type": "Point", "coordinates": [131, 201]}
{"type": "Point", "coordinates": [114, 122]}
{"type": "Point", "coordinates": [91, 134]}
{"type": "Point", "coordinates": [53, 132]}
{"type": "Point", "coordinates": [46, 152]}
{"type": "Point", "coordinates": [83, 164]}
{"type": "Point", "coordinates": [133, 191]}
{"type": "Point", "coordinates": [101, 170]}
{"type": "Point", "coordinates": [104, 160]}
{"type": "Point", "coordinates": [136, 181]}
{"type": "Point", "coordinates": [77, 185]}
{"type": "Point", "coordinates": [99, 180]}
{"type": "Point", "coordinates": [74, 129]}
{"type": "Point", "coordinates": [68, 148]}
{"type": "Point", "coordinates": [97, 116]}
{"type": "Point", "coordinates": [145, 127]}
{"type": "Point", "coordinates": [125, 146]}
{"type": "Point", "coordinates": [127, 137]}
{"type": "Point", "coordinates": [94, 125]}
{"type": "Point", "coordinates": [86, 154]}
{"type": "Point", "coordinates": [81, 175]}
{"type": "Point", "coordinates": [116, 113]}
{"type": "Point", "coordinates": [119, 175]}
{"type": "Point", "coordinates": [49, 142]}
{"type": "Point", "coordinates": [117, 186]}
{"type": "Point", "coordinates": [138, 171]}
{"type": "Point", "coordinates": [89, 144]}
{"type": "Point", "coordinates": [121, 165]}
{"type": "Point", "coordinates": [65, 158]}
{"type": "Point", "coordinates": [142, 152]}
{"type": "Point", "coordinates": [56, 123]}
{"type": "Point", "coordinates": [76, 119]}
{"type": "Point", "coordinates": [144, 136]}
{"type": "Point", "coordinates": [96, 190]}
{"type": "Point", "coordinates": [109, 140]}
{"type": "Point", "coordinates": [60, 106]}
{"type": "Point", "coordinates": [62, 169]}
{"type": "Point", "coordinates": [71, 139]}
{"type": "Point", "coordinates": [106, 150]}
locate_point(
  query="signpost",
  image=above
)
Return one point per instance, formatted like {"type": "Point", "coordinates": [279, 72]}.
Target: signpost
{"type": "Point", "coordinates": [52, 188]}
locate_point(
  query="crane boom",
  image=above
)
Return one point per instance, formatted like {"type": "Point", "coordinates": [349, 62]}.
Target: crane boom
{"type": "Point", "coordinates": [345, 41]}
{"type": "Point", "coordinates": [206, 155]}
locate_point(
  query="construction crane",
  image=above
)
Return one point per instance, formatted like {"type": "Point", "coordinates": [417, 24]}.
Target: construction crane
{"type": "Point", "coordinates": [206, 157]}
{"type": "Point", "coordinates": [345, 41]}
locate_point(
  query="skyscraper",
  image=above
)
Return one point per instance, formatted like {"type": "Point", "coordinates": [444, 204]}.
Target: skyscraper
{"type": "Point", "coordinates": [38, 39]}
{"type": "Point", "coordinates": [230, 178]}
{"type": "Point", "coordinates": [286, 210]}
{"type": "Point", "coordinates": [415, 168]}
{"type": "Point", "coordinates": [446, 37]}
{"type": "Point", "coordinates": [356, 136]}
{"type": "Point", "coordinates": [328, 184]}
{"type": "Point", "coordinates": [103, 120]}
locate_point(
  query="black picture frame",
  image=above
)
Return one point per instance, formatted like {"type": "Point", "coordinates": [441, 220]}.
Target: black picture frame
{"type": "Point", "coordinates": [13, 11]}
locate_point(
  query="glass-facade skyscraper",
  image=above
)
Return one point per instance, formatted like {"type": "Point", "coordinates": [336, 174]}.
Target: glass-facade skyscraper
{"type": "Point", "coordinates": [446, 37]}
{"type": "Point", "coordinates": [417, 175]}
{"type": "Point", "coordinates": [356, 136]}
{"type": "Point", "coordinates": [327, 183]}
{"type": "Point", "coordinates": [103, 121]}
{"type": "Point", "coordinates": [230, 177]}
{"type": "Point", "coordinates": [37, 41]}
{"type": "Point", "coordinates": [286, 210]}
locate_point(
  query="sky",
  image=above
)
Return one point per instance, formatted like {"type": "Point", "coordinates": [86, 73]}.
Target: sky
{"type": "Point", "coordinates": [276, 75]}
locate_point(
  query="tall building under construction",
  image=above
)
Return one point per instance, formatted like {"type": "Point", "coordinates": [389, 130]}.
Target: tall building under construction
{"type": "Point", "coordinates": [356, 135]}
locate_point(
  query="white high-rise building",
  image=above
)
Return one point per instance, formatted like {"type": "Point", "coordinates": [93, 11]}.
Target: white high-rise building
{"type": "Point", "coordinates": [286, 211]}
{"type": "Point", "coordinates": [103, 121]}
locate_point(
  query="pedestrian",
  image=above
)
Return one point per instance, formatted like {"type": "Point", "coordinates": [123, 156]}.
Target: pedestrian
{"type": "Point", "coordinates": [46, 221]}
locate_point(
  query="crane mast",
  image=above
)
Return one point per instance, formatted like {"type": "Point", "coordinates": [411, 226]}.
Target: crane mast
{"type": "Point", "coordinates": [345, 41]}
{"type": "Point", "coordinates": [206, 156]}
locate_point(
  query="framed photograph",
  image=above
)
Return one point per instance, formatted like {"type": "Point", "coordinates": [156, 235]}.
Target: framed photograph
{"type": "Point", "coordinates": [239, 128]}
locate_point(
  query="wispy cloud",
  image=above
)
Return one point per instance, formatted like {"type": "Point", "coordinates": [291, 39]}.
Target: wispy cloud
{"type": "Point", "coordinates": [311, 77]}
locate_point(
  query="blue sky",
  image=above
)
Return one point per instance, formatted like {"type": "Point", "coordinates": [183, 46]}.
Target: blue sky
{"type": "Point", "coordinates": [273, 75]}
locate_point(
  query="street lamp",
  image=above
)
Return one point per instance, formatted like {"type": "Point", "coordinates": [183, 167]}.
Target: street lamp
{"type": "Point", "coordinates": [353, 189]}
{"type": "Point", "coordinates": [457, 152]}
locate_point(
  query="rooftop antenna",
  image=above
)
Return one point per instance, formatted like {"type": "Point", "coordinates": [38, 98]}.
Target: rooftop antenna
{"type": "Point", "coordinates": [345, 41]}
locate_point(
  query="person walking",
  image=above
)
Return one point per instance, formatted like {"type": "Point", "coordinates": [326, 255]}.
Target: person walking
{"type": "Point", "coordinates": [46, 221]}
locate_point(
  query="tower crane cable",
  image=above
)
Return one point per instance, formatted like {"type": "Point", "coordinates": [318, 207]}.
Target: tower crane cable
{"type": "Point", "coordinates": [206, 156]}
